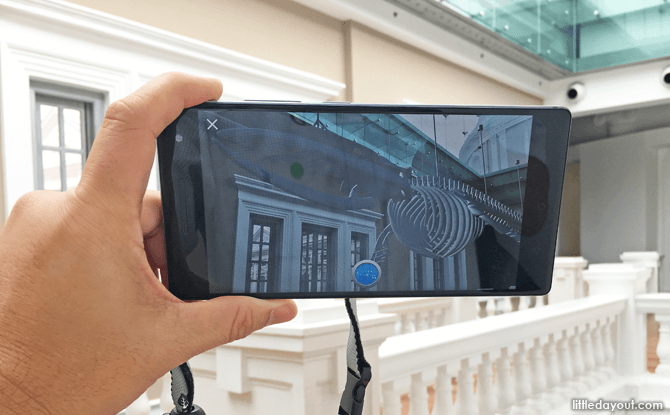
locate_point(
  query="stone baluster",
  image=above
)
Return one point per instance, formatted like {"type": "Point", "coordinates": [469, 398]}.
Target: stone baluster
{"type": "Point", "coordinates": [598, 352]}
{"type": "Point", "coordinates": [565, 367]}
{"type": "Point", "coordinates": [488, 402]}
{"type": "Point", "coordinates": [663, 348]}
{"type": "Point", "coordinates": [141, 406]}
{"type": "Point", "coordinates": [465, 397]}
{"type": "Point", "coordinates": [432, 319]}
{"type": "Point", "coordinates": [504, 382]}
{"type": "Point", "coordinates": [521, 381]}
{"type": "Point", "coordinates": [441, 317]}
{"type": "Point", "coordinates": [166, 403]}
{"type": "Point", "coordinates": [390, 399]}
{"type": "Point", "coordinates": [659, 305]}
{"type": "Point", "coordinates": [405, 324]}
{"type": "Point", "coordinates": [418, 321]}
{"type": "Point", "coordinates": [606, 336]}
{"type": "Point", "coordinates": [482, 313]}
{"type": "Point", "coordinates": [589, 360]}
{"type": "Point", "coordinates": [444, 402]}
{"type": "Point", "coordinates": [524, 303]}
{"type": "Point", "coordinates": [539, 301]}
{"type": "Point", "coordinates": [507, 305]}
{"type": "Point", "coordinates": [499, 303]}
{"type": "Point", "coordinates": [538, 379]}
{"type": "Point", "coordinates": [577, 359]}
{"type": "Point", "coordinates": [418, 396]}
{"type": "Point", "coordinates": [553, 373]}
{"type": "Point", "coordinates": [490, 307]}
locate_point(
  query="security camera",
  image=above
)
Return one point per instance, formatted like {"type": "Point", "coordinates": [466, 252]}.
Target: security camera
{"type": "Point", "coordinates": [576, 92]}
{"type": "Point", "coordinates": [665, 77]}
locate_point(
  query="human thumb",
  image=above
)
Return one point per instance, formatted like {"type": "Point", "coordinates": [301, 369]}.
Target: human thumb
{"type": "Point", "coordinates": [207, 324]}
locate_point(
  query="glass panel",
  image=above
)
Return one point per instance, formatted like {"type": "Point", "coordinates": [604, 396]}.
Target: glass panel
{"type": "Point", "coordinates": [266, 234]}
{"type": "Point", "coordinates": [73, 168]}
{"type": "Point", "coordinates": [266, 253]}
{"type": "Point", "coordinates": [49, 126]}
{"type": "Point", "coordinates": [577, 35]}
{"type": "Point", "coordinates": [72, 127]}
{"type": "Point", "coordinates": [51, 169]}
{"type": "Point", "coordinates": [254, 252]}
{"type": "Point", "coordinates": [257, 233]}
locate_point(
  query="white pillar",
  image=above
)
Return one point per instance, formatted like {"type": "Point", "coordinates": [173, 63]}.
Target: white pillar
{"type": "Point", "coordinates": [294, 368]}
{"type": "Point", "coordinates": [568, 281]}
{"type": "Point", "coordinates": [650, 260]}
{"type": "Point", "coordinates": [628, 280]}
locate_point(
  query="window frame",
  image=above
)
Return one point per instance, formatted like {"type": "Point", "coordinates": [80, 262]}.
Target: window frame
{"type": "Point", "coordinates": [92, 104]}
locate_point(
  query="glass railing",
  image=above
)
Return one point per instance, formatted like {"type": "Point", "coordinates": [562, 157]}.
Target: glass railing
{"type": "Point", "coordinates": [577, 35]}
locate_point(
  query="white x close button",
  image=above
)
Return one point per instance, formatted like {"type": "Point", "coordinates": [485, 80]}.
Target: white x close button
{"type": "Point", "coordinates": [211, 124]}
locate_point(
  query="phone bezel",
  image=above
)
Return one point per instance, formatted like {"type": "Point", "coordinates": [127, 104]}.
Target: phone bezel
{"type": "Point", "coordinates": [555, 121]}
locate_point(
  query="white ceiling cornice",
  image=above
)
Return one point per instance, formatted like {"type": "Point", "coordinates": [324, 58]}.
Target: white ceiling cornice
{"type": "Point", "coordinates": [180, 47]}
{"type": "Point", "coordinates": [406, 27]}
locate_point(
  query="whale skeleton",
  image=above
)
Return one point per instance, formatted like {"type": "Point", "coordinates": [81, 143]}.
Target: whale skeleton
{"type": "Point", "coordinates": [442, 217]}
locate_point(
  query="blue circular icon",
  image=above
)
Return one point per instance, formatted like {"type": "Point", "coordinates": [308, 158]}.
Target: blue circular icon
{"type": "Point", "coordinates": [367, 273]}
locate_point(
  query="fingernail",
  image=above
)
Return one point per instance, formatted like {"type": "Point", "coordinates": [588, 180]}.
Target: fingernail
{"type": "Point", "coordinates": [271, 319]}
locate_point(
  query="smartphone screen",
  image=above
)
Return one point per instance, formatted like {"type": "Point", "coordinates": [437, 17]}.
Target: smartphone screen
{"type": "Point", "coordinates": [296, 201]}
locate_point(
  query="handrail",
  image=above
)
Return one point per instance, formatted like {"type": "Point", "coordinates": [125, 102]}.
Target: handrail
{"type": "Point", "coordinates": [412, 352]}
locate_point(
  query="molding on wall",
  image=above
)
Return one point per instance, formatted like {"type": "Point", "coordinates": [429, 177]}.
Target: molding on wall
{"type": "Point", "coordinates": [396, 22]}
{"type": "Point", "coordinates": [59, 42]}
{"type": "Point", "coordinates": [179, 47]}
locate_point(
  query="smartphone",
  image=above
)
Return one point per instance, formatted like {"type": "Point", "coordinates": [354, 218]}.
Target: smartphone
{"type": "Point", "coordinates": [297, 200]}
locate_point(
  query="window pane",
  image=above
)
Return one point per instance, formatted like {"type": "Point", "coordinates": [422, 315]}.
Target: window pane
{"type": "Point", "coordinates": [72, 127]}
{"type": "Point", "coordinates": [49, 123]}
{"type": "Point", "coordinates": [51, 169]}
{"type": "Point", "coordinates": [73, 167]}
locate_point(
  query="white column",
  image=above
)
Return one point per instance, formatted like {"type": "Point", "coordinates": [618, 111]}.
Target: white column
{"type": "Point", "coordinates": [418, 396]}
{"type": "Point", "coordinates": [565, 367]}
{"type": "Point", "coordinates": [465, 397]}
{"type": "Point", "coordinates": [300, 364]}
{"type": "Point", "coordinates": [390, 399]}
{"type": "Point", "coordinates": [444, 403]}
{"type": "Point", "coordinates": [651, 260]}
{"type": "Point", "coordinates": [567, 283]}
{"type": "Point", "coordinates": [486, 395]}
{"type": "Point", "coordinates": [627, 280]}
{"type": "Point", "coordinates": [553, 372]}
{"type": "Point", "coordinates": [521, 381]}
{"type": "Point", "coordinates": [538, 379]}
{"type": "Point", "coordinates": [505, 384]}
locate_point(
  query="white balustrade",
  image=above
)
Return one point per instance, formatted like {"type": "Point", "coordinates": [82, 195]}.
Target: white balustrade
{"type": "Point", "coordinates": [298, 367]}
{"type": "Point", "coordinates": [409, 363]}
{"type": "Point", "coordinates": [651, 260]}
{"type": "Point", "coordinates": [659, 304]}
{"type": "Point", "coordinates": [420, 313]}
{"type": "Point", "coordinates": [567, 280]}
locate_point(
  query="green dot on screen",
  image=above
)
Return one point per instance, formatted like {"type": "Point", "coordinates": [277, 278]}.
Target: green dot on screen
{"type": "Point", "coordinates": [296, 170]}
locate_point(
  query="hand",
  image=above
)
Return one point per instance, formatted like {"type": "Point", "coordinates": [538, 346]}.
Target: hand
{"type": "Point", "coordinates": [86, 325]}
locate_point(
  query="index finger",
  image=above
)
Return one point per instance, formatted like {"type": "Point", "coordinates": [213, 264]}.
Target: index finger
{"type": "Point", "coordinates": [121, 157]}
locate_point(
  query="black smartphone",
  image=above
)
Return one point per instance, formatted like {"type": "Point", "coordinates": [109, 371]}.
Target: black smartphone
{"type": "Point", "coordinates": [294, 200]}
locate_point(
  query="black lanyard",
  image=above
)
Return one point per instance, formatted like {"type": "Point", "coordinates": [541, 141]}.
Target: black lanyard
{"type": "Point", "coordinates": [359, 374]}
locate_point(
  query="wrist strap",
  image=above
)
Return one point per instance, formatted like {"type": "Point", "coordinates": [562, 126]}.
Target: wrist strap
{"type": "Point", "coordinates": [359, 371]}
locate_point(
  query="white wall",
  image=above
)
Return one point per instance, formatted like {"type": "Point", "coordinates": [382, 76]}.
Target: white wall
{"type": "Point", "coordinates": [620, 188]}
